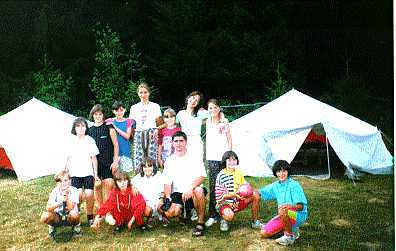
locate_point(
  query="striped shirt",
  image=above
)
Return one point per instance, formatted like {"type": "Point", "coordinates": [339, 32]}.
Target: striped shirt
{"type": "Point", "coordinates": [228, 182]}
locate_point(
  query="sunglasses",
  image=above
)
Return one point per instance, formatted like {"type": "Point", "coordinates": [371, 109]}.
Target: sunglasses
{"type": "Point", "coordinates": [169, 116]}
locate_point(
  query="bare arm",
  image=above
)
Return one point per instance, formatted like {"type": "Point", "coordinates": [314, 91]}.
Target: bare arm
{"type": "Point", "coordinates": [229, 139]}
{"type": "Point", "coordinates": [167, 190]}
{"type": "Point", "coordinates": [95, 165]}
{"type": "Point", "coordinates": [113, 136]}
{"type": "Point", "coordinates": [67, 165]}
{"type": "Point", "coordinates": [126, 134]}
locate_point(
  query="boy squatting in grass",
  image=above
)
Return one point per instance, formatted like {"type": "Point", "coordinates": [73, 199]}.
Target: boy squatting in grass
{"type": "Point", "coordinates": [63, 195]}
{"type": "Point", "coordinates": [292, 205]}
{"type": "Point", "coordinates": [228, 201]}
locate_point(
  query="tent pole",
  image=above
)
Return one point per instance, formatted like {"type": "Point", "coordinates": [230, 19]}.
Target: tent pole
{"type": "Point", "coordinates": [328, 158]}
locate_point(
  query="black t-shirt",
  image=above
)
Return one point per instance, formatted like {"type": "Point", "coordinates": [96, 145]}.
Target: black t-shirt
{"type": "Point", "coordinates": [101, 135]}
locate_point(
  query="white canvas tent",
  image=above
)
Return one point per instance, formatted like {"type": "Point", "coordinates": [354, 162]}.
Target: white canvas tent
{"type": "Point", "coordinates": [33, 136]}
{"type": "Point", "coordinates": [278, 129]}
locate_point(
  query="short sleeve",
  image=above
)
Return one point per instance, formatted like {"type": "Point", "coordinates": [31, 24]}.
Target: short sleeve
{"type": "Point", "coordinates": [267, 192]}
{"type": "Point", "coordinates": [298, 194]}
{"type": "Point", "coordinates": [203, 114]}
{"type": "Point", "coordinates": [93, 149]}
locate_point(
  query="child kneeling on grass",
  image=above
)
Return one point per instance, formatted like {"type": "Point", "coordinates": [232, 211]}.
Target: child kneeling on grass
{"type": "Point", "coordinates": [62, 205]}
{"type": "Point", "coordinates": [125, 204]}
{"type": "Point", "coordinates": [228, 200]}
{"type": "Point", "coordinates": [150, 184]}
{"type": "Point", "coordinates": [292, 205]}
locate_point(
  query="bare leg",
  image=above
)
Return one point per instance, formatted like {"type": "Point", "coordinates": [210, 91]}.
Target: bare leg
{"type": "Point", "coordinates": [89, 201]}
{"type": "Point", "coordinates": [199, 203]}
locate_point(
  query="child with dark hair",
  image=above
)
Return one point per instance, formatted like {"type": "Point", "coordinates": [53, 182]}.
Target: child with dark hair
{"type": "Point", "coordinates": [125, 204]}
{"type": "Point", "coordinates": [125, 128]}
{"type": "Point", "coordinates": [218, 140]}
{"type": "Point", "coordinates": [292, 205]}
{"type": "Point", "coordinates": [191, 120]}
{"type": "Point", "coordinates": [105, 138]}
{"type": "Point", "coordinates": [228, 200]}
{"type": "Point", "coordinates": [82, 163]}
{"type": "Point", "coordinates": [62, 202]}
{"type": "Point", "coordinates": [150, 184]}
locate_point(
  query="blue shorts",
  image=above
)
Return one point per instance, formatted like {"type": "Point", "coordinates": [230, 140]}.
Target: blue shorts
{"type": "Point", "coordinates": [83, 182]}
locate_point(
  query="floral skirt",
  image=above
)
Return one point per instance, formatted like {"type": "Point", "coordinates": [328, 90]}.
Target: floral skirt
{"type": "Point", "coordinates": [145, 145]}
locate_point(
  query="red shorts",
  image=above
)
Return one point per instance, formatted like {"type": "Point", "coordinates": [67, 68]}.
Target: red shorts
{"type": "Point", "coordinates": [235, 207]}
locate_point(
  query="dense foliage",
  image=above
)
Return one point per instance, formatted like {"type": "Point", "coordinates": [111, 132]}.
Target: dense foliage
{"type": "Point", "coordinates": [230, 50]}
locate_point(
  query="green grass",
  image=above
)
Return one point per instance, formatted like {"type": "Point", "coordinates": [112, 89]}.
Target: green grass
{"type": "Point", "coordinates": [342, 216]}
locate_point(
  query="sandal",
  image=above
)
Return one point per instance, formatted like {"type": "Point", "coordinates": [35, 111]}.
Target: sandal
{"type": "Point", "coordinates": [198, 230]}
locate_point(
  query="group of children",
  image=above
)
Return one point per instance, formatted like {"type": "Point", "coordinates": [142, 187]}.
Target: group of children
{"type": "Point", "coordinates": [99, 161]}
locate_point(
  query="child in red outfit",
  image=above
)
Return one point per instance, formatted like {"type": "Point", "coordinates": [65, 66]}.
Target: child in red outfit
{"type": "Point", "coordinates": [125, 204]}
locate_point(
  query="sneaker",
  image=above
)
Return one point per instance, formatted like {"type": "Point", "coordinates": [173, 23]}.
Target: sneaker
{"type": "Point", "coordinates": [257, 224]}
{"type": "Point", "coordinates": [224, 225]}
{"type": "Point", "coordinates": [194, 215]}
{"type": "Point", "coordinates": [110, 219]}
{"type": "Point", "coordinates": [77, 230]}
{"type": "Point", "coordinates": [286, 240]}
{"type": "Point", "coordinates": [297, 234]}
{"type": "Point", "coordinates": [150, 222]}
{"type": "Point", "coordinates": [210, 222]}
{"type": "Point", "coordinates": [165, 221]}
{"type": "Point", "coordinates": [90, 222]}
{"type": "Point", "coordinates": [51, 232]}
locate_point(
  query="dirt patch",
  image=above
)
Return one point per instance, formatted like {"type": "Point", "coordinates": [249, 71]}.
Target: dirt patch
{"type": "Point", "coordinates": [371, 245]}
{"type": "Point", "coordinates": [376, 201]}
{"type": "Point", "coordinates": [341, 223]}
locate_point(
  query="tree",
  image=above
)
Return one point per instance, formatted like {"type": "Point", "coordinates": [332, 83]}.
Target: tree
{"type": "Point", "coordinates": [51, 86]}
{"type": "Point", "coordinates": [280, 85]}
{"type": "Point", "coordinates": [117, 73]}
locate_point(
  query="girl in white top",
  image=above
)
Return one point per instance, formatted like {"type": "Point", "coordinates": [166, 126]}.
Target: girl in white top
{"type": "Point", "coordinates": [82, 163]}
{"type": "Point", "coordinates": [145, 113]}
{"type": "Point", "coordinates": [150, 184]}
{"type": "Point", "coordinates": [191, 120]}
{"type": "Point", "coordinates": [218, 141]}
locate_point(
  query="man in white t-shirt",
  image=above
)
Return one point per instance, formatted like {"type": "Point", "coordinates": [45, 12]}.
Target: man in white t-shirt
{"type": "Point", "coordinates": [183, 176]}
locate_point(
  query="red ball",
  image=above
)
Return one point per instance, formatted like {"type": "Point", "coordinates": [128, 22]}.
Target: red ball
{"type": "Point", "coordinates": [245, 190]}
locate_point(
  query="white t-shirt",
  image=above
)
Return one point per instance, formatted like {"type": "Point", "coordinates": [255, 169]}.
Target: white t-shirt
{"type": "Point", "coordinates": [180, 172]}
{"type": "Point", "coordinates": [80, 151]}
{"type": "Point", "coordinates": [216, 140]}
{"type": "Point", "coordinates": [150, 187]}
{"type": "Point", "coordinates": [191, 125]}
{"type": "Point", "coordinates": [145, 115]}
{"type": "Point", "coordinates": [56, 196]}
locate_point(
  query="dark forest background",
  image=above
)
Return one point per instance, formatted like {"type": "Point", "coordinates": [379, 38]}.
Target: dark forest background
{"type": "Point", "coordinates": [73, 54]}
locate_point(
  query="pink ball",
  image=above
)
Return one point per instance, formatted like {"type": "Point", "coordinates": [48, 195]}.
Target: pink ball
{"type": "Point", "coordinates": [245, 190]}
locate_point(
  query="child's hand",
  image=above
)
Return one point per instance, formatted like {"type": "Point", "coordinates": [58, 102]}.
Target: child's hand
{"type": "Point", "coordinates": [95, 224]}
{"type": "Point", "coordinates": [135, 191]}
{"type": "Point", "coordinates": [236, 195]}
{"type": "Point", "coordinates": [114, 167]}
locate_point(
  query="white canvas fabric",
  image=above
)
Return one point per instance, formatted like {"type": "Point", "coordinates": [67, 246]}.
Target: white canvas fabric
{"type": "Point", "coordinates": [278, 129]}
{"type": "Point", "coordinates": [34, 135]}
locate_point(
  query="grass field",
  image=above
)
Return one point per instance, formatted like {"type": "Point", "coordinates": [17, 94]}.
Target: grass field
{"type": "Point", "coordinates": [343, 216]}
